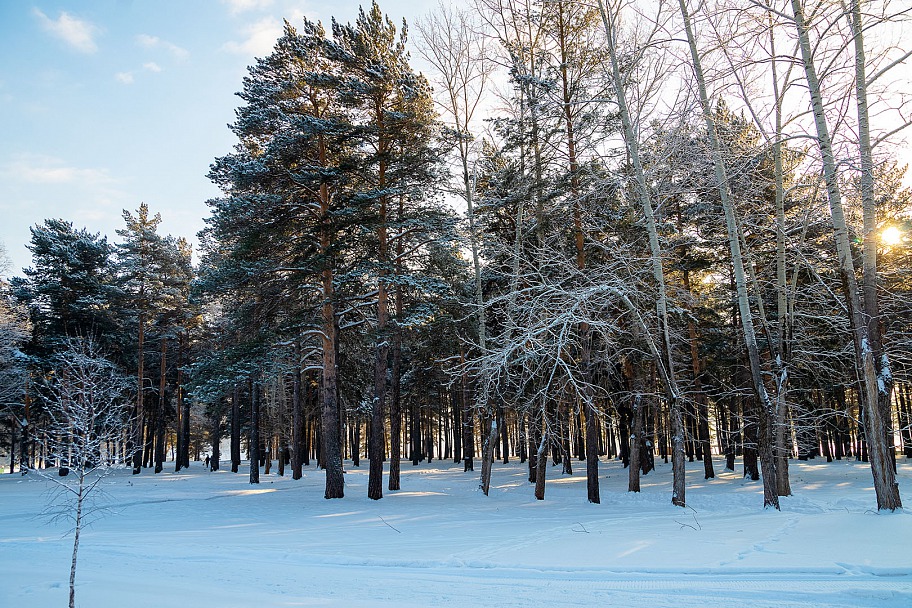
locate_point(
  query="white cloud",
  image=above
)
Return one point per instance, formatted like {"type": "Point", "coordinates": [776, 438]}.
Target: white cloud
{"type": "Point", "coordinates": [154, 42]}
{"type": "Point", "coordinates": [37, 169]}
{"type": "Point", "coordinates": [124, 77]}
{"type": "Point", "coordinates": [150, 42]}
{"type": "Point", "coordinates": [76, 32]}
{"type": "Point", "coordinates": [260, 38]}
{"type": "Point", "coordinates": [152, 66]}
{"type": "Point", "coordinates": [236, 7]}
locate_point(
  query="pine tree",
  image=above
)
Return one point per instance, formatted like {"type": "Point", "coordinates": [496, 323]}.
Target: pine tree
{"type": "Point", "coordinates": [391, 108]}
{"type": "Point", "coordinates": [14, 332]}
{"type": "Point", "coordinates": [67, 292]}
{"type": "Point", "coordinates": [142, 268]}
{"type": "Point", "coordinates": [276, 242]}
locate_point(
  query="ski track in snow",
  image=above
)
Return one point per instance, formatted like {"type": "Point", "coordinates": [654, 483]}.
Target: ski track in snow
{"type": "Point", "coordinates": [214, 539]}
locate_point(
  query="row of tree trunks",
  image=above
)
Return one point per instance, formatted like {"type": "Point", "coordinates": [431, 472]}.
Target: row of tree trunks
{"type": "Point", "coordinates": [824, 426]}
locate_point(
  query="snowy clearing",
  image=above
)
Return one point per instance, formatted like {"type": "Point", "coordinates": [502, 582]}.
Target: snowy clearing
{"type": "Point", "coordinates": [212, 539]}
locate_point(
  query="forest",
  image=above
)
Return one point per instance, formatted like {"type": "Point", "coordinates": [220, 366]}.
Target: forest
{"type": "Point", "coordinates": [550, 231]}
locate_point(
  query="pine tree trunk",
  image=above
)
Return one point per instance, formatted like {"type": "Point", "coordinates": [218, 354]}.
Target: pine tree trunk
{"type": "Point", "coordinates": [183, 406]}
{"type": "Point", "coordinates": [14, 428]}
{"type": "Point", "coordinates": [592, 453]}
{"type": "Point", "coordinates": [457, 405]}
{"type": "Point", "coordinates": [487, 452]}
{"type": "Point", "coordinates": [535, 437]}
{"type": "Point", "coordinates": [395, 388]}
{"type": "Point", "coordinates": [504, 436]}
{"type": "Point", "coordinates": [541, 460]}
{"type": "Point", "coordinates": [139, 413]}
{"type": "Point", "coordinates": [236, 429]}
{"type": "Point", "coordinates": [702, 408]}
{"type": "Point", "coordinates": [160, 412]}
{"type": "Point", "coordinates": [330, 446]}
{"type": "Point", "coordinates": [636, 436]}
{"type": "Point", "coordinates": [254, 436]}
{"type": "Point", "coordinates": [468, 424]}
{"type": "Point", "coordinates": [381, 362]}
{"type": "Point", "coordinates": [216, 443]}
{"type": "Point", "coordinates": [297, 417]}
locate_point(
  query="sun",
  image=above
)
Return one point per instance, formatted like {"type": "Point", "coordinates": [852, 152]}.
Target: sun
{"type": "Point", "coordinates": [891, 236]}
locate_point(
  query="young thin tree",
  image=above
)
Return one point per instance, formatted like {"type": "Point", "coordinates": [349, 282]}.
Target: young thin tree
{"type": "Point", "coordinates": [451, 41]}
{"type": "Point", "coordinates": [88, 412]}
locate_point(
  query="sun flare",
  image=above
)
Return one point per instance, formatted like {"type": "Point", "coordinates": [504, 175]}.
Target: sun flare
{"type": "Point", "coordinates": [891, 236]}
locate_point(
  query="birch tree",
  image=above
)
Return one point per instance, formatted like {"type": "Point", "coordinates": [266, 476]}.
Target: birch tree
{"type": "Point", "coordinates": [452, 42]}
{"type": "Point", "coordinates": [641, 191]}
{"type": "Point", "coordinates": [765, 405]}
{"type": "Point", "coordinates": [874, 375]}
{"type": "Point", "coordinates": [89, 413]}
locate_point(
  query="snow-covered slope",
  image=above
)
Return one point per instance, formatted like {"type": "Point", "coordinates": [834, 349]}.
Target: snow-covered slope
{"type": "Point", "coordinates": [197, 538]}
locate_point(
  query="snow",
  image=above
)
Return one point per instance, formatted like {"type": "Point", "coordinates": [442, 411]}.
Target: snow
{"type": "Point", "coordinates": [213, 539]}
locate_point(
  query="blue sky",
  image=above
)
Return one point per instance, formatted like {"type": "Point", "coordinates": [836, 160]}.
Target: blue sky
{"type": "Point", "coordinates": [110, 103]}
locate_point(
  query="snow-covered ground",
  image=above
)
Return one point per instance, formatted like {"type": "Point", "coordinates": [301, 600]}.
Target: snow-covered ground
{"type": "Point", "coordinates": [197, 538]}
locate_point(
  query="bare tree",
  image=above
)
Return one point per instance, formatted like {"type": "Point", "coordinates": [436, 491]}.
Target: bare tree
{"type": "Point", "coordinates": [770, 491]}
{"type": "Point", "coordinates": [875, 378]}
{"type": "Point", "coordinates": [751, 49]}
{"type": "Point", "coordinates": [664, 359]}
{"type": "Point", "coordinates": [89, 415]}
{"type": "Point", "coordinates": [519, 28]}
{"type": "Point", "coordinates": [452, 43]}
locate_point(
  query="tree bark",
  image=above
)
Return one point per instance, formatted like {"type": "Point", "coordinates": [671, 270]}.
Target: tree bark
{"type": "Point", "coordinates": [216, 442]}
{"type": "Point", "coordinates": [541, 459]}
{"type": "Point", "coordinates": [236, 429]}
{"type": "Point", "coordinates": [183, 405]}
{"type": "Point", "coordinates": [381, 360]}
{"type": "Point", "coordinates": [331, 447]}
{"type": "Point", "coordinates": [783, 319]}
{"type": "Point", "coordinates": [297, 418]}
{"type": "Point", "coordinates": [254, 435]}
{"type": "Point", "coordinates": [80, 498]}
{"type": "Point", "coordinates": [160, 412]}
{"type": "Point", "coordinates": [396, 384]}
{"type": "Point", "coordinates": [468, 425]}
{"type": "Point", "coordinates": [636, 437]}
{"type": "Point", "coordinates": [139, 413]}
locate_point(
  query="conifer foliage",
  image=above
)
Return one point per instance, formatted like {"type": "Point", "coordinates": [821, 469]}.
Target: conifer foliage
{"type": "Point", "coordinates": [326, 208]}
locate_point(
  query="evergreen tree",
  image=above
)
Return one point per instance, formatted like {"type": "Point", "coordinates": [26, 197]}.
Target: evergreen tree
{"type": "Point", "coordinates": [67, 292]}
{"type": "Point", "coordinates": [145, 259]}
{"type": "Point", "coordinates": [69, 287]}
{"type": "Point", "coordinates": [277, 240]}
{"type": "Point", "coordinates": [14, 332]}
{"type": "Point", "coordinates": [391, 109]}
